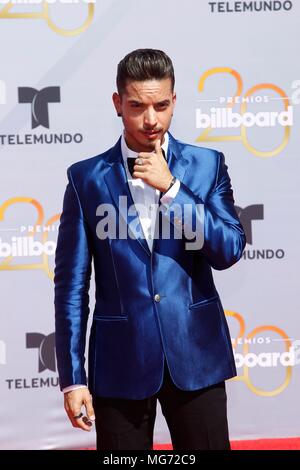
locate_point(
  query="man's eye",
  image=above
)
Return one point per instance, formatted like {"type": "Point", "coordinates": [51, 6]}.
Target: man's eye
{"type": "Point", "coordinates": [135, 105]}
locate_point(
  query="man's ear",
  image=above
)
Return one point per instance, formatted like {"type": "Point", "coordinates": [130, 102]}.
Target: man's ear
{"type": "Point", "coordinates": [117, 103]}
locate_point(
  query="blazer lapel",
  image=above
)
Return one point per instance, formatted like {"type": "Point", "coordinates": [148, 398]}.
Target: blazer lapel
{"type": "Point", "coordinates": [177, 166]}
{"type": "Point", "coordinates": [116, 181]}
{"type": "Point", "coordinates": [117, 184]}
{"type": "Point", "coordinates": [176, 162]}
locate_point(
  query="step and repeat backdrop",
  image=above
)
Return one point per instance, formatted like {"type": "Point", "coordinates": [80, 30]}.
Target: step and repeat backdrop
{"type": "Point", "coordinates": [238, 86]}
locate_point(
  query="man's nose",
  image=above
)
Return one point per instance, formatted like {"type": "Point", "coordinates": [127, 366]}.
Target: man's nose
{"type": "Point", "coordinates": [150, 118]}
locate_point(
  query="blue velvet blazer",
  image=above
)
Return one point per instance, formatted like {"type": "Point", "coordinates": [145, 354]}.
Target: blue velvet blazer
{"type": "Point", "coordinates": [149, 305]}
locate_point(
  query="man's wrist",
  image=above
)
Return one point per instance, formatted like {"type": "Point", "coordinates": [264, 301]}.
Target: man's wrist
{"type": "Point", "coordinates": [172, 182]}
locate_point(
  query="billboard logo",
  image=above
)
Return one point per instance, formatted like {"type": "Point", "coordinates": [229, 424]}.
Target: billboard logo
{"type": "Point", "coordinates": [225, 118]}
{"type": "Point", "coordinates": [26, 246]}
{"type": "Point", "coordinates": [46, 350]}
{"type": "Point", "coordinates": [269, 359]}
{"type": "Point", "coordinates": [39, 101]}
{"type": "Point", "coordinates": [264, 106]}
{"type": "Point", "coordinates": [33, 240]}
{"type": "Point", "coordinates": [266, 348]}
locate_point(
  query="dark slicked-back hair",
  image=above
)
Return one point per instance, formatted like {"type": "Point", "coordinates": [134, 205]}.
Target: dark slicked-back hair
{"type": "Point", "coordinates": [144, 64]}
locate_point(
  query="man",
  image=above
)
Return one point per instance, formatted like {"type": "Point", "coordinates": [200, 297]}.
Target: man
{"type": "Point", "coordinates": [158, 329]}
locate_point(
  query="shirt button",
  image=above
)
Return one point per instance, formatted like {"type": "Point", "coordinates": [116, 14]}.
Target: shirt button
{"type": "Point", "coordinates": [157, 297]}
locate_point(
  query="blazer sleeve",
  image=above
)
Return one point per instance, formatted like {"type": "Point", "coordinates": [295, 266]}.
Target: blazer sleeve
{"type": "Point", "coordinates": [219, 229]}
{"type": "Point", "coordinates": [71, 289]}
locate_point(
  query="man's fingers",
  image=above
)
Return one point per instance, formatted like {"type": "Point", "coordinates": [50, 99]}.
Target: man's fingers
{"type": "Point", "coordinates": [145, 155]}
{"type": "Point", "coordinates": [140, 174]}
{"type": "Point", "coordinates": [140, 168]}
{"type": "Point", "coordinates": [75, 416]}
{"type": "Point", "coordinates": [158, 146]}
{"type": "Point", "coordinates": [74, 401]}
{"type": "Point", "coordinates": [90, 410]}
{"type": "Point", "coordinates": [83, 423]}
{"type": "Point", "coordinates": [79, 420]}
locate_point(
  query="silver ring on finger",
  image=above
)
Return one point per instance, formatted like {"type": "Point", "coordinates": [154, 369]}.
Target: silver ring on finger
{"type": "Point", "coordinates": [139, 161]}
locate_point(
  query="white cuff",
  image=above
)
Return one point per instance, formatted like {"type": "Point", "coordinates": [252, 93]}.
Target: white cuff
{"type": "Point", "coordinates": [170, 195]}
{"type": "Point", "coordinates": [73, 387]}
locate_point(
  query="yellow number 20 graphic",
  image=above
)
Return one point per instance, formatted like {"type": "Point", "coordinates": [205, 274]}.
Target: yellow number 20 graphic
{"type": "Point", "coordinates": [206, 136]}
{"type": "Point", "coordinates": [245, 376]}
{"type": "Point", "coordinates": [44, 14]}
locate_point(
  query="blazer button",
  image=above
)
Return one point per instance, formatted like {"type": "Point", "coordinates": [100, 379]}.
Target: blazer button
{"type": "Point", "coordinates": [157, 297]}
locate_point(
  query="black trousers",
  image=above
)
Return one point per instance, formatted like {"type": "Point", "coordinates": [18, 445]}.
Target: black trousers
{"type": "Point", "coordinates": [197, 420]}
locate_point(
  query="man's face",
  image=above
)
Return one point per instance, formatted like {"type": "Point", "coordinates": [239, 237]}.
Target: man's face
{"type": "Point", "coordinates": [146, 109]}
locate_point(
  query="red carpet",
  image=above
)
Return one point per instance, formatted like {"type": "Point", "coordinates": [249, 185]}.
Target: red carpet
{"type": "Point", "coordinates": [289, 443]}
{"type": "Point", "coordinates": [292, 443]}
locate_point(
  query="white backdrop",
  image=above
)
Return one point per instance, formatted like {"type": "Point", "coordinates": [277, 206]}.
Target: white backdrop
{"type": "Point", "coordinates": [238, 86]}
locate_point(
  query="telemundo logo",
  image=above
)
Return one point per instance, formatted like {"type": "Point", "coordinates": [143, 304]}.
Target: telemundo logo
{"type": "Point", "coordinates": [38, 101]}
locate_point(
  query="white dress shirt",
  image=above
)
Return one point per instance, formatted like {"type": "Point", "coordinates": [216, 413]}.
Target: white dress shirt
{"type": "Point", "coordinates": [145, 197]}
{"type": "Point", "coordinates": [146, 200]}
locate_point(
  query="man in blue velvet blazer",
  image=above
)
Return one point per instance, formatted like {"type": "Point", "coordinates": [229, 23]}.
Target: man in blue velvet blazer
{"type": "Point", "coordinates": [158, 329]}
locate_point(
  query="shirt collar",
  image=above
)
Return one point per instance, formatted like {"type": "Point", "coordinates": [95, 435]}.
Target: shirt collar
{"type": "Point", "coordinates": [127, 152]}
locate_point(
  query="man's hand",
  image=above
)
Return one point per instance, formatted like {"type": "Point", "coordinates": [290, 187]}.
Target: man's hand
{"type": "Point", "coordinates": [154, 170]}
{"type": "Point", "coordinates": [73, 402]}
